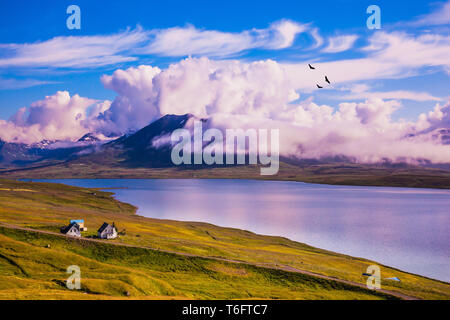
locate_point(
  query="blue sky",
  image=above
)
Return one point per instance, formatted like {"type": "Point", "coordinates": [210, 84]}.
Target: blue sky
{"type": "Point", "coordinates": [24, 22]}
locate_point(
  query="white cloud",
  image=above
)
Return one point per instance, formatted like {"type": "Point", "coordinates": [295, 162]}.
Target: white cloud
{"type": "Point", "coordinates": [199, 86]}
{"type": "Point", "coordinates": [11, 83]}
{"type": "Point", "coordinates": [73, 51]}
{"type": "Point", "coordinates": [282, 34]}
{"type": "Point", "coordinates": [137, 101]}
{"type": "Point", "coordinates": [398, 94]}
{"type": "Point", "coordinates": [386, 59]}
{"type": "Point", "coordinates": [440, 16]}
{"type": "Point", "coordinates": [362, 92]}
{"type": "Point", "coordinates": [317, 38]}
{"type": "Point", "coordinates": [192, 41]}
{"type": "Point", "coordinates": [101, 50]}
{"type": "Point", "coordinates": [437, 118]}
{"type": "Point", "coordinates": [340, 43]}
{"type": "Point", "coordinates": [57, 117]}
{"type": "Point", "coordinates": [233, 94]}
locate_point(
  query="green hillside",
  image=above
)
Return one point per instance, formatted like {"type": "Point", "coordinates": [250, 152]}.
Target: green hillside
{"type": "Point", "coordinates": [30, 270]}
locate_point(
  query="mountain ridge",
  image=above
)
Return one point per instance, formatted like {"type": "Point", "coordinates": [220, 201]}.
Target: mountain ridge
{"type": "Point", "coordinates": [137, 156]}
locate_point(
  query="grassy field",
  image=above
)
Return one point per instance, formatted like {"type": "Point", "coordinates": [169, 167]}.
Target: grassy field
{"type": "Point", "coordinates": [30, 270]}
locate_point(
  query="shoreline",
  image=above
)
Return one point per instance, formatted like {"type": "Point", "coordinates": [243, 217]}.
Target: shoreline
{"type": "Point", "coordinates": [349, 254]}
{"type": "Point", "coordinates": [230, 178]}
{"type": "Point", "coordinates": [347, 174]}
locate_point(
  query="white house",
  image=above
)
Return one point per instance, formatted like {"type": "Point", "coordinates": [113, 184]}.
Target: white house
{"type": "Point", "coordinates": [107, 231]}
{"type": "Point", "coordinates": [72, 229]}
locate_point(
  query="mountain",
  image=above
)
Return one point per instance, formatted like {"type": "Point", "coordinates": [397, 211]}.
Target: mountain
{"type": "Point", "coordinates": [44, 152]}
{"type": "Point", "coordinates": [146, 148]}
{"type": "Point", "coordinates": [17, 154]}
{"type": "Point", "coordinates": [88, 137]}
{"type": "Point", "coordinates": [131, 150]}
{"type": "Point", "coordinates": [146, 153]}
{"type": "Point", "coordinates": [150, 147]}
{"type": "Point", "coordinates": [144, 138]}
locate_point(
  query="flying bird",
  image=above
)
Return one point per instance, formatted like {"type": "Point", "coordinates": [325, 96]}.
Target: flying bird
{"type": "Point", "coordinates": [326, 79]}
{"type": "Point", "coordinates": [319, 86]}
{"type": "Point", "coordinates": [310, 66]}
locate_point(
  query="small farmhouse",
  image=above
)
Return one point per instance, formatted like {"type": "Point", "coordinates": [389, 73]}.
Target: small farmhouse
{"type": "Point", "coordinates": [80, 222]}
{"type": "Point", "coordinates": [107, 231]}
{"type": "Point", "coordinates": [72, 229]}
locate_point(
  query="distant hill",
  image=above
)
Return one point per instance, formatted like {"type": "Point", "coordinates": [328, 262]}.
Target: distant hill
{"type": "Point", "coordinates": [146, 154]}
{"type": "Point", "coordinates": [21, 155]}
{"type": "Point", "coordinates": [137, 149]}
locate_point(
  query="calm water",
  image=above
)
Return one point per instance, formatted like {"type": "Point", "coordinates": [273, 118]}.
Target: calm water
{"type": "Point", "coordinates": [401, 227]}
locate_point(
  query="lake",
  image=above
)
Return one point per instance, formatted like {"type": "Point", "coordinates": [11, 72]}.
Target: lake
{"type": "Point", "coordinates": [400, 227]}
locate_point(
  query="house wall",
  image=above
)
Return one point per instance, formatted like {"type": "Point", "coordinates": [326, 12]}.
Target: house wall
{"type": "Point", "coordinates": [73, 233]}
{"type": "Point", "coordinates": [112, 235]}
{"type": "Point", "coordinates": [106, 235]}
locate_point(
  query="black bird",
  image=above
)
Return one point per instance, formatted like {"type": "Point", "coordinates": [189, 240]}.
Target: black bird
{"type": "Point", "coordinates": [319, 86]}
{"type": "Point", "coordinates": [311, 67]}
{"type": "Point", "coordinates": [326, 79]}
